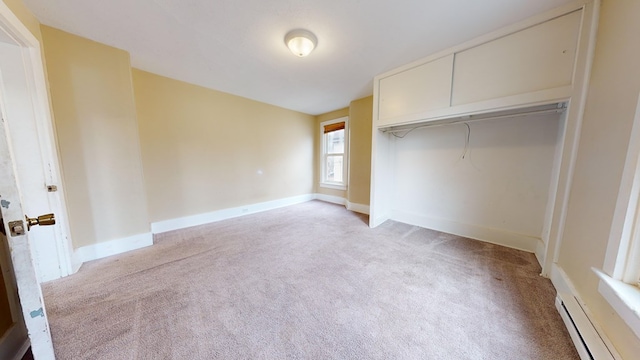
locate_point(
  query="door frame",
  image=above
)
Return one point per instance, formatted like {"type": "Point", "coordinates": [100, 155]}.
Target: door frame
{"type": "Point", "coordinates": [39, 97]}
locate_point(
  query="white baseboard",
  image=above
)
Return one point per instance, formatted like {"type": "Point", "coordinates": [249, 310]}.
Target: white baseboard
{"type": "Point", "coordinates": [377, 221]}
{"type": "Point", "coordinates": [494, 236]}
{"type": "Point", "coordinates": [331, 199]}
{"type": "Point", "coordinates": [540, 252]}
{"type": "Point", "coordinates": [113, 247]}
{"type": "Point", "coordinates": [76, 261]}
{"type": "Point", "coordinates": [359, 208]}
{"type": "Point", "coordinates": [223, 214]}
{"type": "Point", "coordinates": [588, 338]}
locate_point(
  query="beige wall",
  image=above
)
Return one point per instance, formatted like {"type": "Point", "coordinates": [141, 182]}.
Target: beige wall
{"type": "Point", "coordinates": [318, 152]}
{"type": "Point", "coordinates": [204, 150]}
{"type": "Point", "coordinates": [360, 122]}
{"type": "Point", "coordinates": [613, 94]}
{"type": "Point", "coordinates": [92, 98]}
{"type": "Point", "coordinates": [360, 113]}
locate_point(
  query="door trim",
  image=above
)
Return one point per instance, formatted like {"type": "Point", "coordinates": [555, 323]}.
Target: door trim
{"type": "Point", "coordinates": [35, 77]}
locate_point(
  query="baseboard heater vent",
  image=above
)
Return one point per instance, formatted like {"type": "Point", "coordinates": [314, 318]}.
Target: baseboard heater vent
{"type": "Point", "coordinates": [590, 345]}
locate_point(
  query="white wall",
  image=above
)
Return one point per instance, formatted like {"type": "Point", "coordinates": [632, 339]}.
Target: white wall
{"type": "Point", "coordinates": [607, 123]}
{"type": "Point", "coordinates": [501, 186]}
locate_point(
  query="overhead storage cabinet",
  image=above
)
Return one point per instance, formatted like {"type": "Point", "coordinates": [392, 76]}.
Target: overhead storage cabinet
{"type": "Point", "coordinates": [527, 67]}
{"type": "Point", "coordinates": [416, 90]}
{"type": "Point", "coordinates": [538, 58]}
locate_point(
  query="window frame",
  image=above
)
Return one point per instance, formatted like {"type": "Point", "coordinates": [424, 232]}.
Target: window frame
{"type": "Point", "coordinates": [323, 155]}
{"type": "Point", "coordinates": [620, 275]}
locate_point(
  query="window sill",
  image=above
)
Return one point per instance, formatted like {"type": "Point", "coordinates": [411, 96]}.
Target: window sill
{"type": "Point", "coordinates": [333, 186]}
{"type": "Point", "coordinates": [623, 298]}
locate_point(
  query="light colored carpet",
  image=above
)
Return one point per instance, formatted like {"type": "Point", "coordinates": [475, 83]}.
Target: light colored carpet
{"type": "Point", "coordinates": [310, 281]}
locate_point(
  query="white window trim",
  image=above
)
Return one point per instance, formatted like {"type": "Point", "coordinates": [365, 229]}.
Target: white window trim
{"type": "Point", "coordinates": [623, 298]}
{"type": "Point", "coordinates": [345, 163]}
{"type": "Point", "coordinates": [329, 185]}
{"type": "Point", "coordinates": [621, 271]}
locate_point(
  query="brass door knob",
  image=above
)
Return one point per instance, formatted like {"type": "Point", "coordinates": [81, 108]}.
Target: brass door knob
{"type": "Point", "coordinates": [42, 220]}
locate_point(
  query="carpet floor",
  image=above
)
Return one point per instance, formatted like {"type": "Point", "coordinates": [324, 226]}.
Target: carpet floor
{"type": "Point", "coordinates": [310, 281]}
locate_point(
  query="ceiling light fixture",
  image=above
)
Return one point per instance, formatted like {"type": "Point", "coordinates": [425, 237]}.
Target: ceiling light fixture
{"type": "Point", "coordinates": [301, 42]}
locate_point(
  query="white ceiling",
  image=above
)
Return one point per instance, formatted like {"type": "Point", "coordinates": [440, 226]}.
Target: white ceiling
{"type": "Point", "coordinates": [237, 46]}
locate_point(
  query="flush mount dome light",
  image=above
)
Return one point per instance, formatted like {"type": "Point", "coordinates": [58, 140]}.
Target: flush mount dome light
{"type": "Point", "coordinates": [300, 42]}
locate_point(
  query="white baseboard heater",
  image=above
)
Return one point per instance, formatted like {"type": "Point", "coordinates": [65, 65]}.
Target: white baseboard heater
{"type": "Point", "coordinates": [587, 340]}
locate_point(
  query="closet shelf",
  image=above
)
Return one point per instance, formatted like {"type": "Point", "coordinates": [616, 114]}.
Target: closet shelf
{"type": "Point", "coordinates": [558, 108]}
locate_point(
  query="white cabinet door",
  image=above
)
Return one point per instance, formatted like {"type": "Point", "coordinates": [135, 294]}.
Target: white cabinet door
{"type": "Point", "coordinates": [416, 90]}
{"type": "Point", "coordinates": [537, 58]}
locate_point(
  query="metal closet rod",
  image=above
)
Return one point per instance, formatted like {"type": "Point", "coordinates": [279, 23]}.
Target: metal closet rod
{"type": "Point", "coordinates": [470, 119]}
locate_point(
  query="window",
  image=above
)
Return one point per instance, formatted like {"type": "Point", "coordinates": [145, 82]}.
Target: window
{"type": "Point", "coordinates": [620, 276]}
{"type": "Point", "coordinates": [334, 154]}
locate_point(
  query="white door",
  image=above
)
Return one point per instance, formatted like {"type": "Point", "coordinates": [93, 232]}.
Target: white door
{"type": "Point", "coordinates": [29, 291]}
{"type": "Point", "coordinates": [27, 153]}
{"type": "Point", "coordinates": [29, 174]}
{"type": "Point", "coordinates": [29, 127]}
{"type": "Point", "coordinates": [30, 155]}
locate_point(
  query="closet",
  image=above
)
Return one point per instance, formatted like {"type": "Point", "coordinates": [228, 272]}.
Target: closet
{"type": "Point", "coordinates": [478, 140]}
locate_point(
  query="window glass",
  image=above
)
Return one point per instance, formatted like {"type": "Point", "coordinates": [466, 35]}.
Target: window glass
{"type": "Point", "coordinates": [335, 142]}
{"type": "Point", "coordinates": [334, 156]}
{"type": "Point", "coordinates": [334, 168]}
